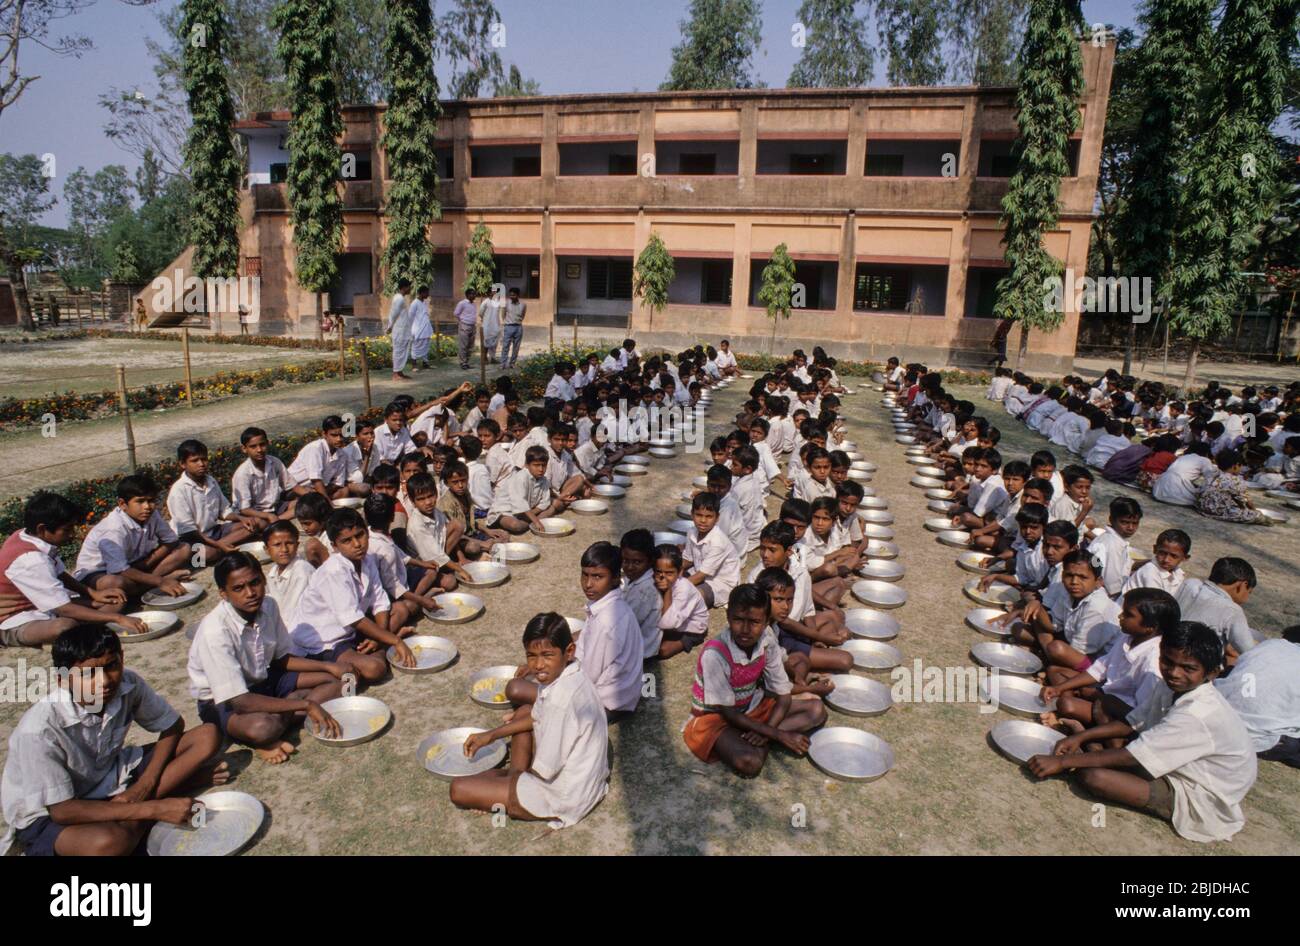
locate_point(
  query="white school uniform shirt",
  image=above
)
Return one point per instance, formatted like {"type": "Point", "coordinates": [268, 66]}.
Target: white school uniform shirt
{"type": "Point", "coordinates": [60, 751]}
{"type": "Point", "coordinates": [998, 388]}
{"type": "Point", "coordinates": [589, 457]}
{"type": "Point", "coordinates": [731, 520]}
{"type": "Point", "coordinates": [1092, 623]}
{"type": "Point", "coordinates": [1117, 565]}
{"type": "Point", "coordinates": [357, 468]}
{"type": "Point", "coordinates": [611, 365]}
{"type": "Point", "coordinates": [195, 507]}
{"type": "Point", "coordinates": [788, 433]}
{"type": "Point", "coordinates": [808, 489]}
{"type": "Point", "coordinates": [1264, 689]}
{"type": "Point", "coordinates": [427, 424]}
{"type": "Point", "coordinates": [473, 418]}
{"type": "Point", "coordinates": [1152, 575]}
{"type": "Point", "coordinates": [569, 772]}
{"type": "Point", "coordinates": [1177, 485]}
{"type": "Point", "coordinates": [559, 468]}
{"type": "Point", "coordinates": [1130, 672]}
{"type": "Point", "coordinates": [391, 562]}
{"type": "Point", "coordinates": [389, 446]}
{"type": "Point", "coordinates": [251, 488]}
{"type": "Point", "coordinates": [726, 359]}
{"type": "Point", "coordinates": [36, 575]}
{"type": "Point", "coordinates": [230, 654]}
{"type": "Point", "coordinates": [427, 535]}
{"type": "Point", "coordinates": [801, 605]}
{"type": "Point", "coordinates": [1206, 602]}
{"type": "Point", "coordinates": [286, 584]}
{"type": "Point", "coordinates": [686, 612]}
{"type": "Point", "coordinates": [557, 387]}
{"type": "Point", "coordinates": [748, 490]}
{"type": "Point", "coordinates": [480, 484]}
{"type": "Point", "coordinates": [767, 469]}
{"type": "Point", "coordinates": [117, 540]}
{"type": "Point", "coordinates": [611, 652]}
{"type": "Point", "coordinates": [498, 462]}
{"type": "Point", "coordinates": [714, 555]}
{"type": "Point", "coordinates": [337, 597]}
{"type": "Point", "coordinates": [1106, 447]}
{"type": "Point", "coordinates": [1063, 507]}
{"type": "Point", "coordinates": [813, 551]}
{"type": "Point", "coordinates": [518, 493]}
{"type": "Point", "coordinates": [316, 462]}
{"type": "Point", "coordinates": [643, 598]}
{"type": "Point", "coordinates": [1201, 744]}
{"type": "Point", "coordinates": [1031, 566]}
{"type": "Point", "coordinates": [536, 437]}
{"type": "Point", "coordinates": [1007, 522]}
{"type": "Point", "coordinates": [993, 498]}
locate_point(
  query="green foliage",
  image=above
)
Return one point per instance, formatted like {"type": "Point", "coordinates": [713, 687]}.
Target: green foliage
{"type": "Point", "coordinates": [155, 231]}
{"type": "Point", "coordinates": [465, 37]}
{"type": "Point", "coordinates": [777, 289]}
{"type": "Point", "coordinates": [717, 49]}
{"type": "Point", "coordinates": [24, 198]}
{"type": "Point", "coordinates": [410, 127]}
{"type": "Point", "coordinates": [126, 268]}
{"type": "Point", "coordinates": [1107, 253]}
{"type": "Point", "coordinates": [653, 274]}
{"type": "Point", "coordinates": [480, 262]}
{"type": "Point", "coordinates": [210, 155]}
{"type": "Point", "coordinates": [1047, 109]}
{"type": "Point", "coordinates": [836, 53]}
{"type": "Point", "coordinates": [516, 86]}
{"type": "Point", "coordinates": [985, 36]}
{"type": "Point", "coordinates": [911, 32]}
{"type": "Point", "coordinates": [307, 48]}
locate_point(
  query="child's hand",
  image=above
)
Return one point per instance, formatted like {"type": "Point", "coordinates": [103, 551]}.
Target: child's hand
{"type": "Point", "coordinates": [135, 624]}
{"type": "Point", "coordinates": [172, 587]}
{"type": "Point", "coordinates": [985, 582]}
{"type": "Point", "coordinates": [325, 724]}
{"type": "Point", "coordinates": [1047, 694]}
{"type": "Point", "coordinates": [796, 742]}
{"type": "Point", "coordinates": [839, 635]}
{"type": "Point", "coordinates": [173, 810]}
{"type": "Point", "coordinates": [110, 596]}
{"type": "Point", "coordinates": [1069, 745]}
{"type": "Point", "coordinates": [475, 742]}
{"type": "Point", "coordinates": [1045, 766]}
{"type": "Point", "coordinates": [402, 654]}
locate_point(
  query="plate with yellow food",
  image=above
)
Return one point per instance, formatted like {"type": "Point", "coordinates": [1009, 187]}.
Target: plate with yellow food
{"type": "Point", "coordinates": [443, 753]}
{"type": "Point", "coordinates": [456, 607]}
{"type": "Point", "coordinates": [361, 719]}
{"type": "Point", "coordinates": [431, 654]}
{"type": "Point", "coordinates": [488, 687]}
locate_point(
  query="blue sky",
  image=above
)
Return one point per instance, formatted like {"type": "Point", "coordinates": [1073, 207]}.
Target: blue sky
{"type": "Point", "coordinates": [569, 46]}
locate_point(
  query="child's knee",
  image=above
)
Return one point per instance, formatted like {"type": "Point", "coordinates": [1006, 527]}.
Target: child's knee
{"type": "Point", "coordinates": [841, 660]}
{"type": "Point", "coordinates": [261, 728]}
{"type": "Point", "coordinates": [458, 795]}
{"type": "Point", "coordinates": [519, 691]}
{"type": "Point", "coordinates": [749, 764]}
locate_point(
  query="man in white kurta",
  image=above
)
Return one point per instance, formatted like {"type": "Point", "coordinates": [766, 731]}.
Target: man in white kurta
{"type": "Point", "coordinates": [399, 329]}
{"type": "Point", "coordinates": [421, 327]}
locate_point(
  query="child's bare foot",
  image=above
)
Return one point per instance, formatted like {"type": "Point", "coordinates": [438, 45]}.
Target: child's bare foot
{"type": "Point", "coordinates": [276, 754]}
{"type": "Point", "coordinates": [819, 684]}
{"type": "Point", "coordinates": [406, 631]}
{"type": "Point", "coordinates": [180, 574]}
{"type": "Point", "coordinates": [210, 776]}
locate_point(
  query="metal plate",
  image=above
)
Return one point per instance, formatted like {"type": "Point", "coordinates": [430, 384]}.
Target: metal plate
{"type": "Point", "coordinates": [431, 654]}
{"type": "Point", "coordinates": [230, 820]}
{"type": "Point", "coordinates": [701, 482]}
{"type": "Point", "coordinates": [997, 595]}
{"type": "Point", "coordinates": [1138, 556]}
{"type": "Point", "coordinates": [589, 507]}
{"type": "Point", "coordinates": [925, 482]}
{"type": "Point", "coordinates": [872, 655]}
{"type": "Point", "coordinates": [160, 623]}
{"type": "Point", "coordinates": [636, 459]}
{"type": "Point", "coordinates": [981, 619]}
{"type": "Point", "coordinates": [868, 492]}
{"type": "Point", "coordinates": [161, 602]}
{"type": "Point", "coordinates": [683, 510]}
{"type": "Point", "coordinates": [669, 538]}
{"type": "Point", "coordinates": [609, 491]}
{"type": "Point", "coordinates": [1283, 494]}
{"type": "Point", "coordinates": [914, 451]}
{"type": "Point", "coordinates": [938, 524]}
{"type": "Point", "coordinates": [862, 476]}
{"type": "Point", "coordinates": [935, 471]}
{"type": "Point", "coordinates": [905, 439]}
{"type": "Point", "coordinates": [879, 517]}
{"type": "Point", "coordinates": [849, 445]}
{"type": "Point", "coordinates": [456, 607]}
{"type": "Point", "coordinates": [975, 562]}
{"type": "Point", "coordinates": [1006, 658]}
{"type": "Point", "coordinates": [632, 469]}
{"type": "Point", "coordinates": [257, 550]}
{"type": "Point", "coordinates": [873, 531]}
{"type": "Point", "coordinates": [623, 481]}
{"type": "Point", "coordinates": [488, 686]}
{"type": "Point", "coordinates": [1020, 740]}
{"type": "Point", "coordinates": [873, 502]}
{"type": "Point", "coordinates": [1017, 695]}
{"type": "Point", "coordinates": [486, 574]}
{"type": "Point", "coordinates": [918, 459]}
{"type": "Point", "coordinates": [871, 624]}
{"type": "Point", "coordinates": [1273, 515]}
{"type": "Point", "coordinates": [680, 525]}
{"type": "Point", "coordinates": [443, 753]}
{"type": "Point", "coordinates": [663, 452]}
{"type": "Point", "coordinates": [865, 466]}
{"type": "Point", "coordinates": [661, 441]}
{"type": "Point", "coordinates": [939, 494]}
{"type": "Point", "coordinates": [517, 552]}
{"type": "Point", "coordinates": [362, 718]}
{"type": "Point", "coordinates": [954, 538]}
{"type": "Point", "coordinates": [878, 548]}
{"type": "Point", "coordinates": [554, 527]}
{"type": "Point", "coordinates": [854, 455]}
{"type": "Point", "coordinates": [882, 570]}
{"type": "Point", "coordinates": [879, 594]}
{"type": "Point", "coordinates": [349, 502]}
{"type": "Point", "coordinates": [941, 505]}
{"type": "Point", "coordinates": [859, 696]}
{"type": "Point", "coordinates": [850, 755]}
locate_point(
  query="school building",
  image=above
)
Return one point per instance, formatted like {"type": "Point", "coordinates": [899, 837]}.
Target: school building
{"type": "Point", "coordinates": [888, 200]}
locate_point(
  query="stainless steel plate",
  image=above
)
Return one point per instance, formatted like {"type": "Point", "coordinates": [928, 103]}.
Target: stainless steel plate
{"type": "Point", "coordinates": [636, 459]}
{"type": "Point", "coordinates": [868, 492]}
{"type": "Point", "coordinates": [518, 552]}
{"type": "Point", "coordinates": [918, 459]}
{"type": "Point", "coordinates": [1006, 658]}
{"type": "Point", "coordinates": [669, 538]}
{"type": "Point", "coordinates": [859, 696]}
{"type": "Point", "coordinates": [486, 574]}
{"type": "Point", "coordinates": [871, 624]}
{"type": "Point", "coordinates": [257, 550]}
{"type": "Point", "coordinates": [882, 570]}
{"type": "Point", "coordinates": [873, 502]}
{"type": "Point", "coordinates": [982, 620]}
{"type": "Point", "coordinates": [914, 451]}
{"type": "Point", "coordinates": [925, 482]}
{"type": "Point", "coordinates": [954, 538]}
{"type": "Point", "coordinates": [160, 624]}
{"type": "Point", "coordinates": [878, 548]}
{"type": "Point", "coordinates": [872, 655]}
{"type": "Point", "coordinates": [939, 494]}
{"type": "Point", "coordinates": [879, 594]}
{"type": "Point", "coordinates": [941, 505]}
{"type": "Point", "coordinates": [935, 471]}
{"type": "Point", "coordinates": [1283, 494]}
{"type": "Point", "coordinates": [850, 754]}
{"type": "Point", "coordinates": [701, 482]}
{"type": "Point", "coordinates": [938, 524]}
{"type": "Point", "coordinates": [879, 517]}
{"type": "Point", "coordinates": [589, 507]}
{"type": "Point", "coordinates": [609, 490]}
{"type": "Point", "coordinates": [1017, 695]}
{"type": "Point", "coordinates": [443, 753]}
{"type": "Point", "coordinates": [161, 602]}
{"type": "Point", "coordinates": [431, 654]}
{"type": "Point", "coordinates": [553, 527]}
{"type": "Point", "coordinates": [456, 607]}
{"type": "Point", "coordinates": [849, 446]}
{"type": "Point", "coordinates": [1273, 515]}
{"type": "Point", "coordinates": [1020, 740]}
{"type": "Point", "coordinates": [362, 718]}
{"type": "Point", "coordinates": [349, 502]}
{"type": "Point", "coordinates": [873, 531]}
{"type": "Point", "coordinates": [1139, 556]}
{"type": "Point", "coordinates": [618, 480]}
{"type": "Point", "coordinates": [996, 596]}
{"type": "Point", "coordinates": [862, 476]}
{"type": "Point", "coordinates": [905, 439]}
{"type": "Point", "coordinates": [632, 469]}
{"type": "Point", "coordinates": [683, 510]}
{"type": "Point", "coordinates": [488, 686]}
{"type": "Point", "coordinates": [663, 452]}
{"type": "Point", "coordinates": [980, 563]}
{"type": "Point", "coordinates": [680, 525]}
{"type": "Point", "coordinates": [230, 820]}
{"type": "Point", "coordinates": [664, 442]}
{"type": "Point", "coordinates": [865, 466]}
{"type": "Point", "coordinates": [854, 455]}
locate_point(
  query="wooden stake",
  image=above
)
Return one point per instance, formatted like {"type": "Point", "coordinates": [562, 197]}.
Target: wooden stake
{"type": "Point", "coordinates": [189, 380]}
{"type": "Point", "coordinates": [342, 356]}
{"type": "Point", "coordinates": [365, 372]}
{"type": "Point", "coordinates": [126, 416]}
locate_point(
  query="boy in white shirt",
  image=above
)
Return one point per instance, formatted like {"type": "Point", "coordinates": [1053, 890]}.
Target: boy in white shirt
{"type": "Point", "coordinates": [392, 439]}
{"type": "Point", "coordinates": [559, 388]}
{"type": "Point", "coordinates": [611, 649]}
{"type": "Point", "coordinates": [480, 481]}
{"type": "Point", "coordinates": [747, 488]}
{"type": "Point", "coordinates": [731, 519]}
{"type": "Point", "coordinates": [320, 466]}
{"type": "Point", "coordinates": [200, 512]}
{"type": "Point", "coordinates": [133, 549]}
{"type": "Point", "coordinates": [261, 486]}
{"type": "Point", "coordinates": [727, 359]}
{"type": "Point", "coordinates": [711, 561]}
{"type": "Point", "coordinates": [1164, 571]}
{"type": "Point", "coordinates": [523, 498]}
{"type": "Point", "coordinates": [1075, 503]}
{"type": "Point", "coordinates": [1217, 602]}
{"type": "Point", "coordinates": [636, 550]}
{"type": "Point", "coordinates": [433, 539]}
{"type": "Point", "coordinates": [1179, 484]}
{"type": "Point", "coordinates": [288, 574]}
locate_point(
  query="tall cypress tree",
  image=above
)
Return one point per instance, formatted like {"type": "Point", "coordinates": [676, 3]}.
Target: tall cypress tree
{"type": "Point", "coordinates": [1047, 111]}
{"type": "Point", "coordinates": [210, 154]}
{"type": "Point", "coordinates": [1231, 168]}
{"type": "Point", "coordinates": [717, 48]}
{"type": "Point", "coordinates": [911, 31]}
{"type": "Point", "coordinates": [410, 127]}
{"type": "Point", "coordinates": [307, 46]}
{"type": "Point", "coordinates": [836, 54]}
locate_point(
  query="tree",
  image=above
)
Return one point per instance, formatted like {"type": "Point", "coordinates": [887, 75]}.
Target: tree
{"type": "Point", "coordinates": [94, 202]}
{"type": "Point", "coordinates": [306, 46]}
{"type": "Point", "coordinates": [717, 49]}
{"type": "Point", "coordinates": [126, 268]}
{"type": "Point", "coordinates": [362, 27]}
{"type": "Point", "coordinates": [1230, 169]}
{"type": "Point", "coordinates": [1047, 110]}
{"type": "Point", "coordinates": [911, 32]}
{"type": "Point", "coordinates": [777, 289]}
{"type": "Point", "coordinates": [210, 149]}
{"type": "Point", "coordinates": [24, 197]}
{"type": "Point", "coordinates": [24, 23]}
{"type": "Point", "coordinates": [480, 262]}
{"type": "Point", "coordinates": [985, 36]}
{"type": "Point", "coordinates": [469, 36]}
{"type": "Point", "coordinates": [836, 54]}
{"type": "Point", "coordinates": [653, 274]}
{"type": "Point", "coordinates": [410, 127]}
{"type": "Point", "coordinates": [516, 86]}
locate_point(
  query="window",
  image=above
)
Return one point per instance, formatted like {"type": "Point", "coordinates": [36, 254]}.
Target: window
{"type": "Point", "coordinates": [526, 166]}
{"type": "Point", "coordinates": [609, 279]}
{"type": "Point", "coordinates": [279, 172]}
{"type": "Point", "coordinates": [1003, 165]}
{"type": "Point", "coordinates": [252, 265]}
{"type": "Point", "coordinates": [355, 166]}
{"type": "Point", "coordinates": [884, 165]}
{"type": "Point", "coordinates": [886, 290]}
{"type": "Point", "coordinates": [715, 284]}
{"type": "Point", "coordinates": [622, 164]}
{"type": "Point", "coordinates": [812, 163]}
{"type": "Point", "coordinates": [446, 163]}
{"type": "Point", "coordinates": [693, 162]}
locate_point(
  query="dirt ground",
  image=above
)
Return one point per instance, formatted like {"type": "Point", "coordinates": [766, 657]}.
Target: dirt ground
{"type": "Point", "coordinates": [949, 792]}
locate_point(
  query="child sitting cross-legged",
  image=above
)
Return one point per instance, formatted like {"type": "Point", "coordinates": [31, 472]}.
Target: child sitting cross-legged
{"type": "Point", "coordinates": [289, 573]}
{"type": "Point", "coordinates": [740, 699]}
{"type": "Point", "coordinates": [430, 536]}
{"type": "Point", "coordinates": [523, 497]}
{"type": "Point", "coordinates": [200, 512]}
{"type": "Point", "coordinates": [683, 617]}
{"type": "Point", "coordinates": [1091, 620]}
{"type": "Point", "coordinates": [712, 564]}
{"type": "Point", "coordinates": [396, 568]}
{"type": "Point", "coordinates": [781, 590]}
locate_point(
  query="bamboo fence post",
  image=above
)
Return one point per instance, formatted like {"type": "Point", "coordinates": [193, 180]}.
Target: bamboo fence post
{"type": "Point", "coordinates": [126, 416]}
{"type": "Point", "coordinates": [189, 380]}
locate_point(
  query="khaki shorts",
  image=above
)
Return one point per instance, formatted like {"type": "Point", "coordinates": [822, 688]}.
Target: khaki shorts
{"type": "Point", "coordinates": [1161, 799]}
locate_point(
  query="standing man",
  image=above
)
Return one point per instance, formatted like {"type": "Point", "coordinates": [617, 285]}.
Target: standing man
{"type": "Point", "coordinates": [421, 327]}
{"type": "Point", "coordinates": [466, 325]}
{"type": "Point", "coordinates": [999, 342]}
{"type": "Point", "coordinates": [491, 312]}
{"type": "Point", "coordinates": [399, 329]}
{"type": "Point", "coordinates": [513, 332]}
